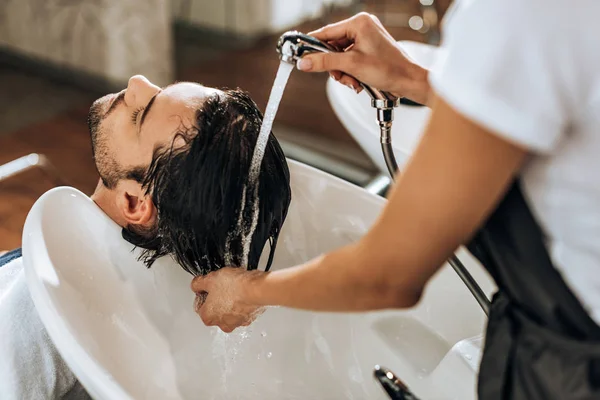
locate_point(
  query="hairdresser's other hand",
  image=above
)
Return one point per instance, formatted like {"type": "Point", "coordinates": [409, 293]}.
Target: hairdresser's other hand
{"type": "Point", "coordinates": [221, 298]}
{"type": "Point", "coordinates": [371, 55]}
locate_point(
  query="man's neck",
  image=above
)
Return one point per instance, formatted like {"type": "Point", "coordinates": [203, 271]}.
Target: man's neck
{"type": "Point", "coordinates": [105, 199]}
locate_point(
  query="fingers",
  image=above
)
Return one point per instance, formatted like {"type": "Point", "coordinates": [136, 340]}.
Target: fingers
{"type": "Point", "coordinates": [230, 327]}
{"type": "Point", "coordinates": [227, 325]}
{"type": "Point", "coordinates": [336, 31]}
{"type": "Point", "coordinates": [351, 83]}
{"type": "Point", "coordinates": [336, 75]}
{"type": "Point", "coordinates": [229, 321]}
{"type": "Point", "coordinates": [320, 62]}
{"type": "Point", "coordinates": [234, 323]}
{"type": "Point", "coordinates": [341, 44]}
{"type": "Point", "coordinates": [346, 80]}
{"type": "Point", "coordinates": [218, 306]}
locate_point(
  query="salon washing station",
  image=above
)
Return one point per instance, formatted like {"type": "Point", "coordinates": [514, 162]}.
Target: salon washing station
{"type": "Point", "coordinates": [129, 332]}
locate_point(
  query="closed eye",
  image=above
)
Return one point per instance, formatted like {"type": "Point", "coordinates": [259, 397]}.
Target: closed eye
{"type": "Point", "coordinates": [136, 114]}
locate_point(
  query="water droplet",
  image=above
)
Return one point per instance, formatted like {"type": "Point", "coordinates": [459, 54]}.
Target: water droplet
{"type": "Point", "coordinates": [468, 357]}
{"type": "Point", "coordinates": [258, 357]}
{"type": "Point", "coordinates": [269, 355]}
{"type": "Point", "coordinates": [263, 334]}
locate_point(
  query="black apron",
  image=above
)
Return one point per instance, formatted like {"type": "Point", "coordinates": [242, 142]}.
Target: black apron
{"type": "Point", "coordinates": [540, 342]}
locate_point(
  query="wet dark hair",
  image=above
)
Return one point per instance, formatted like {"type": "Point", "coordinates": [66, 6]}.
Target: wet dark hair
{"type": "Point", "coordinates": [197, 189]}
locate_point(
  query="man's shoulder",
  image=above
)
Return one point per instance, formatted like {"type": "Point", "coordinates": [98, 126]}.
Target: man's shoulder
{"type": "Point", "coordinates": [9, 256]}
{"type": "Point", "coordinates": [30, 366]}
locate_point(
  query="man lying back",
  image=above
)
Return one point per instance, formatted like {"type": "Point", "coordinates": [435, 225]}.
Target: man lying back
{"type": "Point", "coordinates": [173, 164]}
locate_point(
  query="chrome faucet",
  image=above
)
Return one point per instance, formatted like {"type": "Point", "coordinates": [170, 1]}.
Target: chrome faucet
{"type": "Point", "coordinates": [393, 386]}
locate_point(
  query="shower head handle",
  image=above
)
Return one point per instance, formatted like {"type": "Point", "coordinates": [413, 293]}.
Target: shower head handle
{"type": "Point", "coordinates": [294, 45]}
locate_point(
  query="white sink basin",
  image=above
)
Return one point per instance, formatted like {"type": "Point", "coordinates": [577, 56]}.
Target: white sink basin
{"type": "Point", "coordinates": [131, 333]}
{"type": "Point", "coordinates": [360, 119]}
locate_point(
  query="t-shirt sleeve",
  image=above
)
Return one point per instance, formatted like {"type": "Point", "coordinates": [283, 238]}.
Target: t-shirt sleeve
{"type": "Point", "coordinates": [500, 66]}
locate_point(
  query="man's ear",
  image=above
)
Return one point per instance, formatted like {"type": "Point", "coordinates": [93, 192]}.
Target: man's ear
{"type": "Point", "coordinates": [135, 205]}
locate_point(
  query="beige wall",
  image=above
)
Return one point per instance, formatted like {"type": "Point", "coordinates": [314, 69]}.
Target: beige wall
{"type": "Point", "coordinates": [113, 39]}
{"type": "Point", "coordinates": [248, 16]}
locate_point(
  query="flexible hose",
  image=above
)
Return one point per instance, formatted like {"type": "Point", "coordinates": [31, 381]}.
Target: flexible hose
{"type": "Point", "coordinates": [457, 265]}
{"type": "Point", "coordinates": [390, 160]}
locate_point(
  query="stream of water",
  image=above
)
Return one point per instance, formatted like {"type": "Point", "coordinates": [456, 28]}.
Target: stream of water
{"type": "Point", "coordinates": [250, 191]}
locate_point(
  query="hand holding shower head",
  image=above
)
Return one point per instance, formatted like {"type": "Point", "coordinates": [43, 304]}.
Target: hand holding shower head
{"type": "Point", "coordinates": [294, 45]}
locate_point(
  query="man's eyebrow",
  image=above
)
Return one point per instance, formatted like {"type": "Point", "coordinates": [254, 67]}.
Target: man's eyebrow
{"type": "Point", "coordinates": [147, 110]}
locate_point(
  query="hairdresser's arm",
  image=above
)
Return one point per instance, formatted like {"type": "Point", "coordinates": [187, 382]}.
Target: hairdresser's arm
{"type": "Point", "coordinates": [372, 56]}
{"type": "Point", "coordinates": [454, 179]}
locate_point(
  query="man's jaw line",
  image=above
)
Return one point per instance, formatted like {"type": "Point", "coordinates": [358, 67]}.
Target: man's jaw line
{"type": "Point", "coordinates": [105, 200]}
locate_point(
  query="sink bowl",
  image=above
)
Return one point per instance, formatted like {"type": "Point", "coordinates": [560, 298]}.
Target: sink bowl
{"type": "Point", "coordinates": [129, 332]}
{"type": "Point", "coordinates": [359, 118]}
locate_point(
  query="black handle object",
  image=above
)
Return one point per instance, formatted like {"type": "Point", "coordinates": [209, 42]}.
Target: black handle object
{"type": "Point", "coordinates": [471, 284]}
{"type": "Point", "coordinates": [393, 386]}
{"type": "Point", "coordinates": [409, 102]}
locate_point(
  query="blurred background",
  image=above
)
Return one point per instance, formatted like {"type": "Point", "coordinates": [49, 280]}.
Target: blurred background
{"type": "Point", "coordinates": [58, 56]}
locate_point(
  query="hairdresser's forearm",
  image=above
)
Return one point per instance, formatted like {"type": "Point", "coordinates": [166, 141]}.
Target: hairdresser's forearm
{"type": "Point", "coordinates": [346, 280]}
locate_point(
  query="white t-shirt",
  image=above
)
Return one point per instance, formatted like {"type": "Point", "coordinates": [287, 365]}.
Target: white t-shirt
{"type": "Point", "coordinates": [30, 366]}
{"type": "Point", "coordinates": [529, 70]}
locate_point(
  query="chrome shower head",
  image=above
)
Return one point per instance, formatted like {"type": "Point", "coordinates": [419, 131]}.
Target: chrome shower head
{"type": "Point", "coordinates": [293, 45]}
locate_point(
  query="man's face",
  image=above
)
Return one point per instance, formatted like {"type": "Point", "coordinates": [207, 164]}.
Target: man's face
{"type": "Point", "coordinates": [127, 126]}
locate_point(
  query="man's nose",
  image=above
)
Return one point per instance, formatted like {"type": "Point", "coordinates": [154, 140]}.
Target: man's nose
{"type": "Point", "coordinates": [139, 91]}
